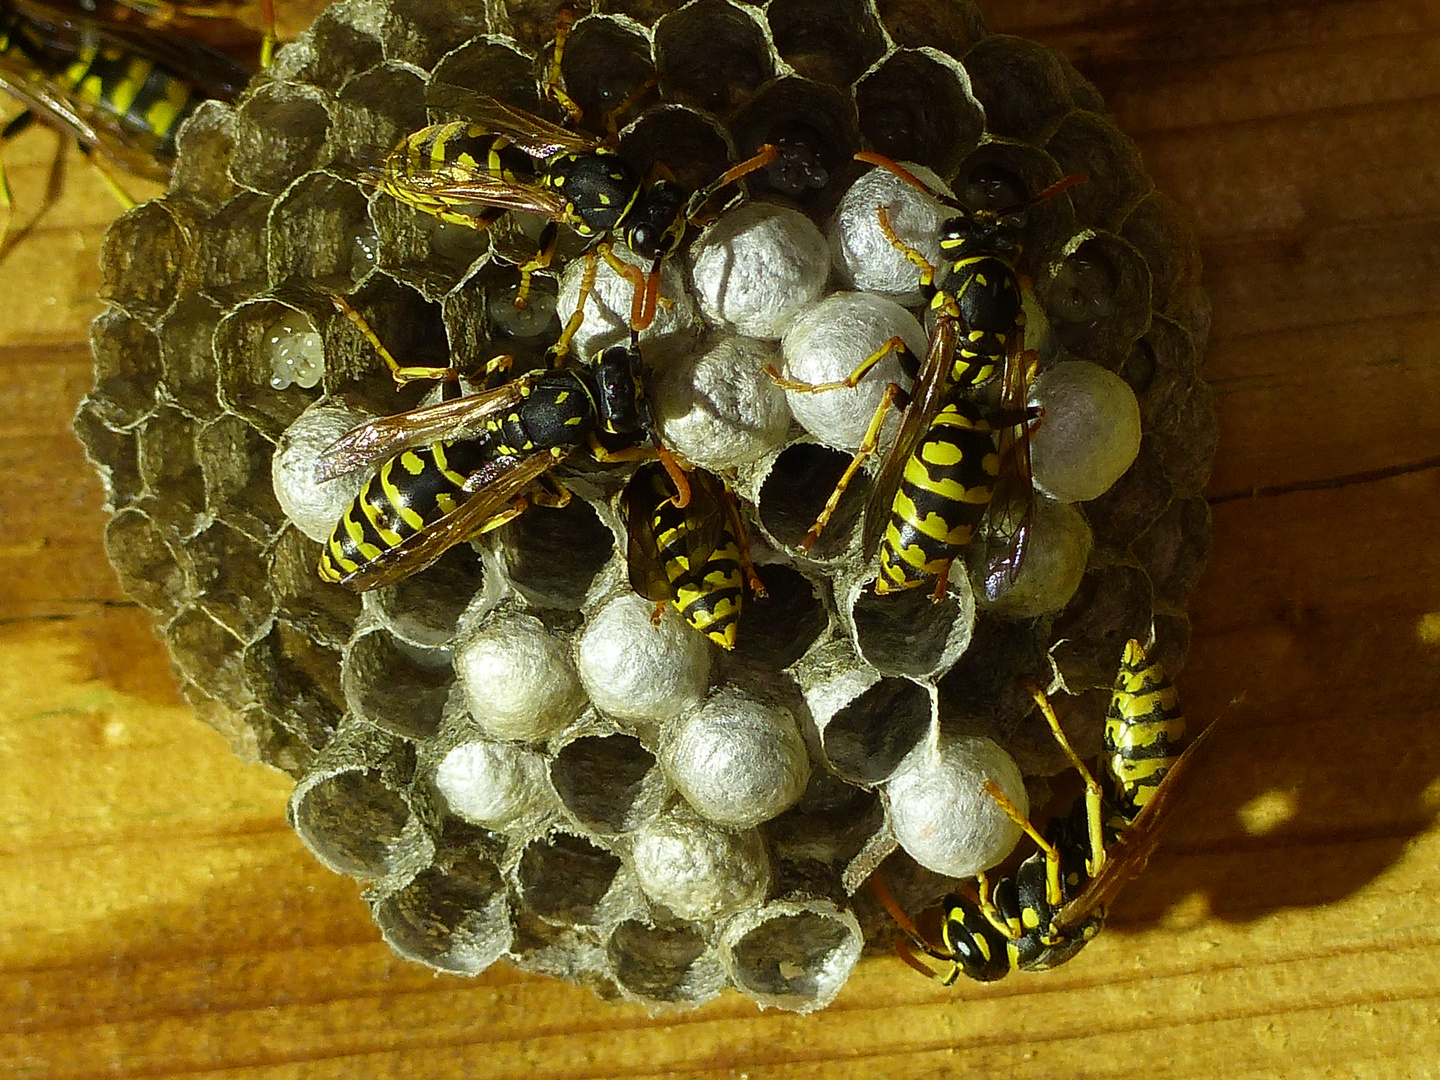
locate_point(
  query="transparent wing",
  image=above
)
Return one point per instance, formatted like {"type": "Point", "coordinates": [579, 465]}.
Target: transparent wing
{"type": "Point", "coordinates": [642, 550]}
{"type": "Point", "coordinates": [536, 136]}
{"type": "Point", "coordinates": [386, 436]}
{"type": "Point", "coordinates": [927, 398]}
{"type": "Point", "coordinates": [500, 483]}
{"type": "Point", "coordinates": [68, 27]}
{"type": "Point", "coordinates": [1012, 510]}
{"type": "Point", "coordinates": [1129, 853]}
{"type": "Point", "coordinates": [135, 153]}
{"type": "Point", "coordinates": [457, 187]}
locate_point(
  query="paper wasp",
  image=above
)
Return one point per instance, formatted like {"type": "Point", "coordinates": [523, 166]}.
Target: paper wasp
{"type": "Point", "coordinates": [939, 479]}
{"type": "Point", "coordinates": [694, 556]}
{"type": "Point", "coordinates": [462, 467]}
{"type": "Point", "coordinates": [1058, 898]}
{"type": "Point", "coordinates": [106, 77]}
{"type": "Point", "coordinates": [504, 158]}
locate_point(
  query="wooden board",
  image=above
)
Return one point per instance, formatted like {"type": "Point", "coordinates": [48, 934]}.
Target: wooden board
{"type": "Point", "coordinates": [158, 919]}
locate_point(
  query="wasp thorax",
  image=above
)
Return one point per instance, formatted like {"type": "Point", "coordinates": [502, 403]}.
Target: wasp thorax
{"type": "Point", "coordinates": [635, 681]}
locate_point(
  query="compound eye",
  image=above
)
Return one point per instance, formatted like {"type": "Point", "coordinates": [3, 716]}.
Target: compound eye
{"type": "Point", "coordinates": [642, 240]}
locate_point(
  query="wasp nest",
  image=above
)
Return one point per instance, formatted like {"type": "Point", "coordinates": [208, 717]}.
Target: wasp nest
{"type": "Point", "coordinates": [511, 753]}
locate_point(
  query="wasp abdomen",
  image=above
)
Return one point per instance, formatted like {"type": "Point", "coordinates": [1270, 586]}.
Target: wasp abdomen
{"type": "Point", "coordinates": [1143, 730]}
{"type": "Point", "coordinates": [942, 498]}
{"type": "Point", "coordinates": [144, 98]}
{"type": "Point", "coordinates": [708, 595]}
{"type": "Point", "coordinates": [409, 491]}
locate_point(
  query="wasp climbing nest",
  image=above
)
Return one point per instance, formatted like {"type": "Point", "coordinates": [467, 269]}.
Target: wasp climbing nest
{"type": "Point", "coordinates": [508, 749]}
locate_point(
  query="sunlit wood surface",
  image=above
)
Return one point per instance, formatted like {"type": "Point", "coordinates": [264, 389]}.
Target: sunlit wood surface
{"type": "Point", "coordinates": [158, 919]}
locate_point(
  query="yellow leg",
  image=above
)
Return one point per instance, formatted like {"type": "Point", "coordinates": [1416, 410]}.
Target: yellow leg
{"type": "Point", "coordinates": [867, 446]}
{"type": "Point", "coordinates": [927, 269]}
{"type": "Point", "coordinates": [553, 88]}
{"type": "Point", "coordinates": [399, 372]}
{"type": "Point", "coordinates": [561, 348]}
{"type": "Point", "coordinates": [1094, 811]}
{"type": "Point", "coordinates": [1053, 893]}
{"type": "Point", "coordinates": [612, 118]}
{"type": "Point", "coordinates": [267, 40]}
{"type": "Point", "coordinates": [895, 344]}
{"type": "Point", "coordinates": [541, 260]}
{"type": "Point", "coordinates": [550, 493]}
{"type": "Point", "coordinates": [510, 513]}
{"type": "Point", "coordinates": [123, 197]}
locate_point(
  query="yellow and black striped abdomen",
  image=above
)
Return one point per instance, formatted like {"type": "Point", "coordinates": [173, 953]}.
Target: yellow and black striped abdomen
{"type": "Point", "coordinates": [1143, 732]}
{"type": "Point", "coordinates": [708, 591]}
{"type": "Point", "coordinates": [690, 557]}
{"type": "Point", "coordinates": [941, 499]}
{"type": "Point", "coordinates": [410, 491]}
{"type": "Point", "coordinates": [143, 97]}
{"type": "Point", "coordinates": [418, 170]}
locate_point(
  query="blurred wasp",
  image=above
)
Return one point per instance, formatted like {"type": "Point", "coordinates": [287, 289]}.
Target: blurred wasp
{"type": "Point", "coordinates": [504, 158]}
{"type": "Point", "coordinates": [462, 467]}
{"type": "Point", "coordinates": [1058, 898]}
{"type": "Point", "coordinates": [695, 556]}
{"type": "Point", "coordinates": [108, 78]}
{"type": "Point", "coordinates": [939, 478]}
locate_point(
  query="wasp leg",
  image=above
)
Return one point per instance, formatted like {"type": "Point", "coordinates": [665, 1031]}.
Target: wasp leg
{"type": "Point", "coordinates": [123, 197]}
{"type": "Point", "coordinates": [742, 541]}
{"type": "Point", "coordinates": [552, 86]}
{"type": "Point", "coordinates": [267, 38]}
{"type": "Point", "coordinates": [561, 348]}
{"type": "Point", "coordinates": [868, 446]}
{"type": "Point", "coordinates": [1011, 928]}
{"type": "Point", "coordinates": [1094, 794]}
{"type": "Point", "coordinates": [401, 373]}
{"type": "Point", "coordinates": [510, 513]}
{"type": "Point", "coordinates": [612, 117]}
{"type": "Point", "coordinates": [657, 613]}
{"type": "Point", "coordinates": [541, 260]}
{"type": "Point", "coordinates": [895, 344]}
{"type": "Point", "coordinates": [551, 493]}
{"type": "Point", "coordinates": [928, 270]}
{"type": "Point", "coordinates": [1053, 894]}
{"type": "Point", "coordinates": [646, 287]}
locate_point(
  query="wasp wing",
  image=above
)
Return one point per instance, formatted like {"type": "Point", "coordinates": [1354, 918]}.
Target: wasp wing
{"type": "Point", "coordinates": [642, 549]}
{"type": "Point", "coordinates": [927, 397]}
{"type": "Point", "coordinates": [386, 436]}
{"type": "Point", "coordinates": [705, 527]}
{"type": "Point", "coordinates": [1128, 854]}
{"type": "Point", "coordinates": [536, 136]}
{"type": "Point", "coordinates": [1012, 509]}
{"type": "Point", "coordinates": [212, 72]}
{"type": "Point", "coordinates": [96, 129]}
{"type": "Point", "coordinates": [496, 486]}
{"type": "Point", "coordinates": [457, 186]}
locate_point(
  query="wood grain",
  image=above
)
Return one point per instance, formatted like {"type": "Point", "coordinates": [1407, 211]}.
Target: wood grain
{"type": "Point", "coordinates": [158, 919]}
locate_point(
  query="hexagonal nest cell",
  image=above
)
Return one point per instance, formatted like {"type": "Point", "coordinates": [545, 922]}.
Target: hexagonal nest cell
{"type": "Point", "coordinates": [519, 756]}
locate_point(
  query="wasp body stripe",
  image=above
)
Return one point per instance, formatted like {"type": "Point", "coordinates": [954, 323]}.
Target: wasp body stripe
{"type": "Point", "coordinates": [408, 492]}
{"type": "Point", "coordinates": [1143, 731]}
{"type": "Point", "coordinates": [944, 492]}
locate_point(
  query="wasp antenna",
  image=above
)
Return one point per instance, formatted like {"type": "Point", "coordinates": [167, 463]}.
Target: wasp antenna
{"type": "Point", "coordinates": [1050, 192]}
{"type": "Point", "coordinates": [681, 498]}
{"type": "Point", "coordinates": [893, 167]}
